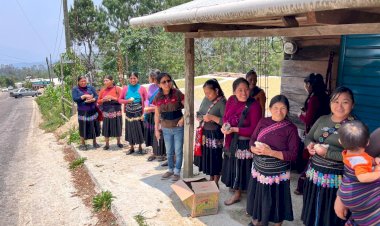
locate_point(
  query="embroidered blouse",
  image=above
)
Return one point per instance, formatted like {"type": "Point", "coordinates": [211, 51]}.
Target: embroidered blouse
{"type": "Point", "coordinates": [284, 139]}
{"type": "Point", "coordinates": [77, 92]}
{"type": "Point", "coordinates": [151, 90]}
{"type": "Point", "coordinates": [322, 125]}
{"type": "Point", "coordinates": [217, 110]}
{"type": "Point", "coordinates": [113, 91]}
{"type": "Point", "coordinates": [233, 111]}
{"type": "Point", "coordinates": [170, 104]}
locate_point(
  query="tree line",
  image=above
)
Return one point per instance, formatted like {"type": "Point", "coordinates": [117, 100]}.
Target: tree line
{"type": "Point", "coordinates": [104, 40]}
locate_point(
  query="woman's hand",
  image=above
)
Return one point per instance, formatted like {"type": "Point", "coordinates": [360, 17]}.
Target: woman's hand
{"type": "Point", "coordinates": [321, 149]}
{"type": "Point", "coordinates": [262, 149]}
{"type": "Point", "coordinates": [311, 149]}
{"type": "Point", "coordinates": [90, 100]}
{"type": "Point", "coordinates": [207, 118]}
{"type": "Point", "coordinates": [158, 134]}
{"type": "Point", "coordinates": [340, 209]}
{"type": "Point", "coordinates": [108, 98]}
{"type": "Point", "coordinates": [180, 122]}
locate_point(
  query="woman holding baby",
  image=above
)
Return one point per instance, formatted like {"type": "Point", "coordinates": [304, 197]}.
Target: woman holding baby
{"type": "Point", "coordinates": [325, 170]}
{"type": "Point", "coordinates": [274, 144]}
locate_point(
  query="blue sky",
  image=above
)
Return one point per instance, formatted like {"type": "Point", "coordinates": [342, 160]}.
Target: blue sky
{"type": "Point", "coordinates": [31, 30]}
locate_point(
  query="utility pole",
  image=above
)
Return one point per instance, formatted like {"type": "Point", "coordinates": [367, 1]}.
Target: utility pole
{"type": "Point", "coordinates": [66, 22]}
{"type": "Point", "coordinates": [47, 62]}
{"type": "Point", "coordinates": [52, 71]}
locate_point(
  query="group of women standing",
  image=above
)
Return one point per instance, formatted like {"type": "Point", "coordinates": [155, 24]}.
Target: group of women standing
{"type": "Point", "coordinates": [265, 147]}
{"type": "Point", "coordinates": [106, 106]}
{"type": "Point", "coordinates": [239, 145]}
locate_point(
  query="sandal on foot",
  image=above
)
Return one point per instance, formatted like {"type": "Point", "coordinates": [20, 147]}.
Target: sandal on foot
{"type": "Point", "coordinates": [161, 158]}
{"type": "Point", "coordinates": [131, 151]}
{"type": "Point", "coordinates": [106, 147]}
{"type": "Point", "coordinates": [96, 145]}
{"type": "Point", "coordinates": [83, 147]}
{"type": "Point", "coordinates": [228, 203]}
{"type": "Point", "coordinates": [165, 163]}
{"type": "Point", "coordinates": [151, 158]}
{"type": "Point", "coordinates": [120, 145]}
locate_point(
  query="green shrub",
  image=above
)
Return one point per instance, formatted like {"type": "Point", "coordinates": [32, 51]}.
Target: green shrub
{"type": "Point", "coordinates": [74, 136]}
{"type": "Point", "coordinates": [102, 201]}
{"type": "Point", "coordinates": [77, 163]}
{"type": "Point", "coordinates": [140, 219]}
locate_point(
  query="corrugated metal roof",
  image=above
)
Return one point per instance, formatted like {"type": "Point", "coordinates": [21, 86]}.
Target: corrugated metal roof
{"type": "Point", "coordinates": [207, 11]}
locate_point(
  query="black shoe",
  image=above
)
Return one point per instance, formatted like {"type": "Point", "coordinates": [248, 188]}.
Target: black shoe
{"type": "Point", "coordinates": [83, 147]}
{"type": "Point", "coordinates": [165, 163]}
{"type": "Point", "coordinates": [131, 151]}
{"type": "Point", "coordinates": [96, 145]}
{"type": "Point", "coordinates": [141, 152]}
{"type": "Point", "coordinates": [106, 147]}
{"type": "Point", "coordinates": [120, 145]}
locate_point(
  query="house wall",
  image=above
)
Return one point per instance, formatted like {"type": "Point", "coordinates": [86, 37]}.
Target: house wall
{"type": "Point", "coordinates": [312, 56]}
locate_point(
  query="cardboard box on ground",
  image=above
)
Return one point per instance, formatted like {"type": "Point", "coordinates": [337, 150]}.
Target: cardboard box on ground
{"type": "Point", "coordinates": [201, 197]}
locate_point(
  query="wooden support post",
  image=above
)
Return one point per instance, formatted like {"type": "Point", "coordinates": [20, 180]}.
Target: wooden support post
{"type": "Point", "coordinates": [62, 86]}
{"type": "Point", "coordinates": [189, 108]}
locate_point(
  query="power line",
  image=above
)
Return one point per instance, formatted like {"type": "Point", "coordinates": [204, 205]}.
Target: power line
{"type": "Point", "coordinates": [30, 23]}
{"type": "Point", "coordinates": [59, 21]}
{"type": "Point", "coordinates": [59, 45]}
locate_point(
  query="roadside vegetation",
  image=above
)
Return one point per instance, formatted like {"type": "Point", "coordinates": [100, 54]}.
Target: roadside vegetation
{"type": "Point", "coordinates": [78, 162]}
{"type": "Point", "coordinates": [102, 201]}
{"type": "Point", "coordinates": [140, 219]}
{"type": "Point", "coordinates": [51, 108]}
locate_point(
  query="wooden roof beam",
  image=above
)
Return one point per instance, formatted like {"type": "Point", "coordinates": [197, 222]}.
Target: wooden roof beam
{"type": "Point", "coordinates": [290, 21]}
{"type": "Point", "coordinates": [342, 29]}
{"type": "Point", "coordinates": [342, 16]}
{"type": "Point", "coordinates": [212, 27]}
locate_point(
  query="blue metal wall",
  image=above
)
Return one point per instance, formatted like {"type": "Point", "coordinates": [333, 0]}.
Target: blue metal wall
{"type": "Point", "coordinates": [359, 69]}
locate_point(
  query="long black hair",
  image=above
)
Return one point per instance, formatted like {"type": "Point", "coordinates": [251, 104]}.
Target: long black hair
{"type": "Point", "coordinates": [153, 74]}
{"type": "Point", "coordinates": [163, 74]}
{"type": "Point", "coordinates": [342, 89]}
{"type": "Point", "coordinates": [214, 85]}
{"type": "Point", "coordinates": [238, 81]}
{"type": "Point", "coordinates": [318, 89]}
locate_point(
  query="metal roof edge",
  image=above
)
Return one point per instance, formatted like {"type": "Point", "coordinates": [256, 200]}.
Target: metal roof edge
{"type": "Point", "coordinates": [246, 9]}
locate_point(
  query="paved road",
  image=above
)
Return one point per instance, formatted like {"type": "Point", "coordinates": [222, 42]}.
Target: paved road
{"type": "Point", "coordinates": [35, 183]}
{"type": "Point", "coordinates": [15, 118]}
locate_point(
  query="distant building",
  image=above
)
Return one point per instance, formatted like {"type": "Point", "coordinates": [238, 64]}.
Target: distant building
{"type": "Point", "coordinates": [19, 84]}
{"type": "Point", "coordinates": [38, 83]}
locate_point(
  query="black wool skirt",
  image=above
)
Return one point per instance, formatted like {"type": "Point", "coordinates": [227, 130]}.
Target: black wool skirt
{"type": "Point", "coordinates": [269, 202]}
{"type": "Point", "coordinates": [319, 197]}
{"type": "Point", "coordinates": [210, 163]}
{"type": "Point", "coordinates": [235, 171]}
{"type": "Point", "coordinates": [134, 128]}
{"type": "Point", "coordinates": [112, 122]}
{"type": "Point", "coordinates": [159, 146]}
{"type": "Point", "coordinates": [89, 126]}
{"type": "Point", "coordinates": [149, 135]}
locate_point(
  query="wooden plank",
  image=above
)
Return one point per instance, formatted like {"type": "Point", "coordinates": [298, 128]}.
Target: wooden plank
{"type": "Point", "coordinates": [343, 29]}
{"type": "Point", "coordinates": [290, 21]}
{"type": "Point", "coordinates": [343, 16]}
{"type": "Point", "coordinates": [302, 68]}
{"type": "Point", "coordinates": [189, 108]}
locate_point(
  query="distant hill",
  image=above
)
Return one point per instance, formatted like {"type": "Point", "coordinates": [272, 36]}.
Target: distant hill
{"type": "Point", "coordinates": [21, 65]}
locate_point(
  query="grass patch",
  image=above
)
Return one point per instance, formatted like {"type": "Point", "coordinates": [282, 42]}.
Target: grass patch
{"type": "Point", "coordinates": [140, 219]}
{"type": "Point", "coordinates": [50, 108]}
{"type": "Point", "coordinates": [78, 162]}
{"type": "Point", "coordinates": [74, 136]}
{"type": "Point", "coordinates": [102, 201]}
